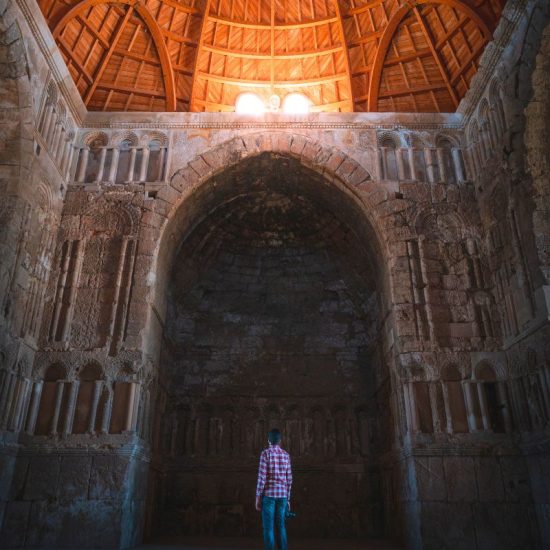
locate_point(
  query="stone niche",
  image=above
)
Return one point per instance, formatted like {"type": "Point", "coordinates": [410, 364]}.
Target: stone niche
{"type": "Point", "coordinates": [272, 321]}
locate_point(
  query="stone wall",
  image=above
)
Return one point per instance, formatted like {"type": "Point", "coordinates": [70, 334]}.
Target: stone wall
{"type": "Point", "coordinates": [387, 272]}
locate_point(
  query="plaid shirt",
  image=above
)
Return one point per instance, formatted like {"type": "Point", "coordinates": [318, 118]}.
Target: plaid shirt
{"type": "Point", "coordinates": [275, 473]}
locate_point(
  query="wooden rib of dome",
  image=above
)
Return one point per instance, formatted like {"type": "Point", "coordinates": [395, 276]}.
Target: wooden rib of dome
{"type": "Point", "coordinates": [344, 55]}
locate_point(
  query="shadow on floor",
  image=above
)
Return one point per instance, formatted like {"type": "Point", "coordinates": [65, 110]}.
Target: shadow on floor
{"type": "Point", "coordinates": [200, 543]}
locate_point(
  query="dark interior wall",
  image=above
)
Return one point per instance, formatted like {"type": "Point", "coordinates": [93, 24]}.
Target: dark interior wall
{"type": "Point", "coordinates": [272, 321]}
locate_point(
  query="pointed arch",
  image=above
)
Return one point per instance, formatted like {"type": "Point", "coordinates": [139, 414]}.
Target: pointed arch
{"type": "Point", "coordinates": [392, 27]}
{"type": "Point", "coordinates": [153, 28]}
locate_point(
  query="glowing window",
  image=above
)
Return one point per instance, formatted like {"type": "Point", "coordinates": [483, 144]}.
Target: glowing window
{"type": "Point", "coordinates": [249, 104]}
{"type": "Point", "coordinates": [296, 104]}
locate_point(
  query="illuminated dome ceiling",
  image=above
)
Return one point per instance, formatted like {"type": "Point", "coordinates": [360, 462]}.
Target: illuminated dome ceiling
{"type": "Point", "coordinates": [344, 55]}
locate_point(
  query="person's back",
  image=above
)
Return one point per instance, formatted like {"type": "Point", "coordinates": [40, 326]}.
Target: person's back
{"type": "Point", "coordinates": [273, 491]}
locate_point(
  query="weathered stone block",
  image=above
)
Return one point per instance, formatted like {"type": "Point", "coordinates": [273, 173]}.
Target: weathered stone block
{"type": "Point", "coordinates": [516, 478]}
{"type": "Point", "coordinates": [108, 477]}
{"type": "Point", "coordinates": [16, 523]}
{"type": "Point", "coordinates": [460, 478]}
{"type": "Point", "coordinates": [447, 526]}
{"type": "Point", "coordinates": [506, 526]}
{"type": "Point", "coordinates": [42, 478]}
{"type": "Point", "coordinates": [430, 478]}
{"type": "Point", "coordinates": [75, 524]}
{"type": "Point", "coordinates": [74, 477]}
{"type": "Point", "coordinates": [489, 479]}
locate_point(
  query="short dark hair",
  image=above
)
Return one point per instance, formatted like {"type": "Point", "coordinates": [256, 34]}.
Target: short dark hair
{"type": "Point", "coordinates": [274, 436]}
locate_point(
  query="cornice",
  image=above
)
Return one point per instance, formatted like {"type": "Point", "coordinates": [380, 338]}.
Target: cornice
{"type": "Point", "coordinates": [269, 126]}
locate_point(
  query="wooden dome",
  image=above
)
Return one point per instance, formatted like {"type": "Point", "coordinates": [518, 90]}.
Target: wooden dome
{"type": "Point", "coordinates": [200, 55]}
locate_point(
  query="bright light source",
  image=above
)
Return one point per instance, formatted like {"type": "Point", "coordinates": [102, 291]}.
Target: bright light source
{"type": "Point", "coordinates": [249, 104]}
{"type": "Point", "coordinates": [296, 104]}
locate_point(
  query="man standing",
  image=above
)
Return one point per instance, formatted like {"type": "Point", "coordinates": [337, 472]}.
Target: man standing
{"type": "Point", "coordinates": [273, 491]}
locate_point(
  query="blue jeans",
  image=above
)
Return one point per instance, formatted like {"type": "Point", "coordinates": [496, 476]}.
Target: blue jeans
{"type": "Point", "coordinates": [273, 521]}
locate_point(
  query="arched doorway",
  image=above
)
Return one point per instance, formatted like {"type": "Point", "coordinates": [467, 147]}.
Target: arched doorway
{"type": "Point", "coordinates": [273, 319]}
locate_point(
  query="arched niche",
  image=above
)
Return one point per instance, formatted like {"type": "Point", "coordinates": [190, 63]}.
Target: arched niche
{"type": "Point", "coordinates": [314, 267]}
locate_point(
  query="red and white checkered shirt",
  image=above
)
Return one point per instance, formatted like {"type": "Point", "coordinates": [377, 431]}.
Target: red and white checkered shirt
{"type": "Point", "coordinates": [275, 473]}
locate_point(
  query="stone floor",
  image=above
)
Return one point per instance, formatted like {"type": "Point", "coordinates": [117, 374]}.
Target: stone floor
{"type": "Point", "coordinates": [256, 544]}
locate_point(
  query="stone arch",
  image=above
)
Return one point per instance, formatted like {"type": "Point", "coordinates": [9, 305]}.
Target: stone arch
{"type": "Point", "coordinates": [211, 179]}
{"type": "Point", "coordinates": [91, 138]}
{"type": "Point", "coordinates": [110, 217]}
{"type": "Point", "coordinates": [340, 171]}
{"type": "Point", "coordinates": [390, 139]}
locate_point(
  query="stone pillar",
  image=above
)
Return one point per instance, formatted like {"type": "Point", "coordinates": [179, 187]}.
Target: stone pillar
{"type": "Point", "coordinates": [83, 160]}
{"type": "Point", "coordinates": [65, 157]}
{"type": "Point", "coordinates": [49, 129]}
{"type": "Point", "coordinates": [447, 404]}
{"type": "Point", "coordinates": [382, 162]}
{"type": "Point", "coordinates": [114, 165]}
{"type": "Point", "coordinates": [505, 406]}
{"type": "Point", "coordinates": [34, 406]}
{"type": "Point", "coordinates": [59, 148]}
{"type": "Point", "coordinates": [483, 406]}
{"type": "Point", "coordinates": [57, 408]}
{"type": "Point", "coordinates": [7, 400]}
{"type": "Point", "coordinates": [101, 168]}
{"type": "Point", "coordinates": [415, 422]}
{"type": "Point", "coordinates": [131, 166]}
{"type": "Point", "coordinates": [55, 140]}
{"type": "Point", "coordinates": [69, 160]}
{"type": "Point", "coordinates": [98, 386]}
{"type": "Point", "coordinates": [69, 413]}
{"type": "Point", "coordinates": [79, 253]}
{"type": "Point", "coordinates": [457, 161]}
{"type": "Point", "coordinates": [410, 152]}
{"type": "Point", "coordinates": [162, 162]}
{"type": "Point", "coordinates": [47, 121]}
{"type": "Point", "coordinates": [441, 161]}
{"type": "Point", "coordinates": [470, 410]}
{"type": "Point", "coordinates": [21, 399]}
{"type": "Point", "coordinates": [4, 396]}
{"type": "Point", "coordinates": [407, 403]}
{"type": "Point", "coordinates": [400, 164]}
{"type": "Point", "coordinates": [135, 412]}
{"type": "Point", "coordinates": [106, 420]}
{"type": "Point", "coordinates": [144, 164]}
{"type": "Point", "coordinates": [130, 408]}
{"type": "Point", "coordinates": [428, 158]}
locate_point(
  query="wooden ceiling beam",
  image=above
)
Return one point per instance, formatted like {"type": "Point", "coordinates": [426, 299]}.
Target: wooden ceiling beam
{"type": "Point", "coordinates": [153, 28]}
{"type": "Point", "coordinates": [107, 55]}
{"type": "Point", "coordinates": [87, 76]}
{"type": "Point", "coordinates": [436, 55]}
{"type": "Point", "coordinates": [265, 56]}
{"type": "Point", "coordinates": [471, 57]}
{"type": "Point", "coordinates": [334, 106]}
{"type": "Point", "coordinates": [479, 19]}
{"type": "Point", "coordinates": [344, 49]}
{"type": "Point", "coordinates": [416, 90]}
{"type": "Point", "coordinates": [130, 90]}
{"type": "Point", "coordinates": [84, 22]}
{"type": "Point", "coordinates": [178, 38]}
{"type": "Point", "coordinates": [370, 37]}
{"type": "Point", "coordinates": [451, 32]}
{"type": "Point", "coordinates": [380, 56]}
{"type": "Point", "coordinates": [267, 83]}
{"type": "Point", "coordinates": [267, 26]}
{"type": "Point", "coordinates": [192, 103]}
{"type": "Point", "coordinates": [391, 28]}
{"type": "Point", "coordinates": [182, 7]}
